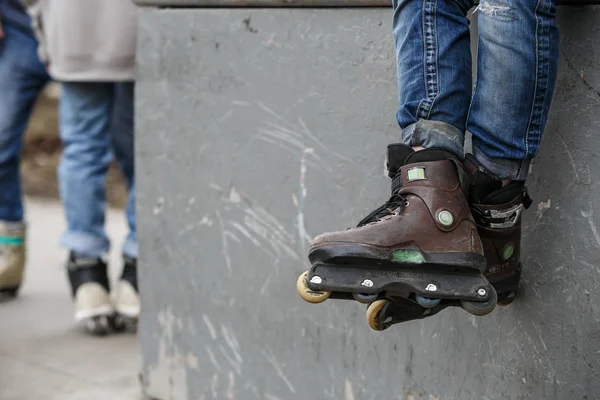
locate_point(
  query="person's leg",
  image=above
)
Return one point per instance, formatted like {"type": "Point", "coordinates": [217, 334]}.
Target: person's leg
{"type": "Point", "coordinates": [517, 67]}
{"type": "Point", "coordinates": [22, 78]}
{"type": "Point", "coordinates": [122, 131]}
{"type": "Point", "coordinates": [85, 111]}
{"type": "Point", "coordinates": [516, 73]}
{"type": "Point", "coordinates": [127, 301]}
{"type": "Point", "coordinates": [433, 59]}
{"type": "Point", "coordinates": [427, 221]}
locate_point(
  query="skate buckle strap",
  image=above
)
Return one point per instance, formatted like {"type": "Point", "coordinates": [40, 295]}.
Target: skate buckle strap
{"type": "Point", "coordinates": [499, 219]}
{"type": "Point", "coordinates": [396, 183]}
{"type": "Point", "coordinates": [412, 174]}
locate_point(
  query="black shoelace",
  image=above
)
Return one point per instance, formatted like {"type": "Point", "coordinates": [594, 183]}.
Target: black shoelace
{"type": "Point", "coordinates": [395, 204]}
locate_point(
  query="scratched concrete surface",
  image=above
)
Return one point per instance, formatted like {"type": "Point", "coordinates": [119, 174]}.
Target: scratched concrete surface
{"type": "Point", "coordinates": [297, 3]}
{"type": "Point", "coordinates": [258, 130]}
{"type": "Point", "coordinates": [43, 355]}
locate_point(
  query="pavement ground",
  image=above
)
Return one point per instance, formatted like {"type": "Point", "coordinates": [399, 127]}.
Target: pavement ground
{"type": "Point", "coordinates": [43, 354]}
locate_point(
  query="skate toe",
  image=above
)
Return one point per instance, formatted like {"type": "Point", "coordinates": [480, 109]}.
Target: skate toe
{"type": "Point", "coordinates": [329, 237]}
{"type": "Point", "coordinates": [347, 236]}
{"type": "Point", "coordinates": [318, 240]}
{"type": "Point", "coordinates": [326, 246]}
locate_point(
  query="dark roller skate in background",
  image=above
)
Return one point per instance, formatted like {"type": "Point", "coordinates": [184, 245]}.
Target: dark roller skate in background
{"type": "Point", "coordinates": [126, 298]}
{"type": "Point", "coordinates": [90, 289]}
{"type": "Point", "coordinates": [498, 210]}
{"type": "Point", "coordinates": [412, 257]}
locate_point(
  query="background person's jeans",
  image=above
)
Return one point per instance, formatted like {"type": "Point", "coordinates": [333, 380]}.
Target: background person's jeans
{"type": "Point", "coordinates": [22, 78]}
{"type": "Point", "coordinates": [516, 73]}
{"type": "Point", "coordinates": [95, 118]}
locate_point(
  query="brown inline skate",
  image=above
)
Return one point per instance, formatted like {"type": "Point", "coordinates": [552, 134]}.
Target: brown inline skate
{"type": "Point", "coordinates": [415, 255]}
{"type": "Point", "coordinates": [497, 210]}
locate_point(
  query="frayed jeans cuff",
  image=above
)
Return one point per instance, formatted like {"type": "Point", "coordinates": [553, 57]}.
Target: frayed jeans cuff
{"type": "Point", "coordinates": [85, 243]}
{"type": "Point", "coordinates": [504, 168]}
{"type": "Point", "coordinates": [435, 134]}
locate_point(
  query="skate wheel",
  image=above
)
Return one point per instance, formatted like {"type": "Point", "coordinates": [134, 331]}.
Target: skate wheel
{"type": "Point", "coordinates": [307, 294]}
{"type": "Point", "coordinates": [121, 323]}
{"type": "Point", "coordinates": [506, 299]}
{"type": "Point", "coordinates": [427, 302]}
{"type": "Point", "coordinates": [10, 292]}
{"type": "Point", "coordinates": [98, 325]}
{"type": "Point", "coordinates": [118, 324]}
{"type": "Point", "coordinates": [481, 308]}
{"type": "Point", "coordinates": [365, 298]}
{"type": "Point", "coordinates": [375, 317]}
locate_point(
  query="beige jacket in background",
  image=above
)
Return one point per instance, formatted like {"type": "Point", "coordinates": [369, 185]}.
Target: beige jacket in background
{"type": "Point", "coordinates": [86, 40]}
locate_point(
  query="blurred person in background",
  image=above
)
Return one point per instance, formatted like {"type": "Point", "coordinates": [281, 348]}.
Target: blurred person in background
{"type": "Point", "coordinates": [89, 48]}
{"type": "Point", "coordinates": [22, 79]}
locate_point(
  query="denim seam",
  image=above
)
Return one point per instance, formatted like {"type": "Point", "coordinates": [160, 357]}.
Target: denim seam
{"type": "Point", "coordinates": [418, 113]}
{"type": "Point", "coordinates": [539, 88]}
{"type": "Point", "coordinates": [539, 97]}
{"type": "Point", "coordinates": [430, 55]}
{"type": "Point", "coordinates": [544, 73]}
{"type": "Point", "coordinates": [436, 75]}
{"type": "Point", "coordinates": [475, 83]}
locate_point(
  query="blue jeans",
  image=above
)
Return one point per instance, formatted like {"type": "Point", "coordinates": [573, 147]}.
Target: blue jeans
{"type": "Point", "coordinates": [22, 78]}
{"type": "Point", "coordinates": [96, 123]}
{"type": "Point", "coordinates": [506, 112]}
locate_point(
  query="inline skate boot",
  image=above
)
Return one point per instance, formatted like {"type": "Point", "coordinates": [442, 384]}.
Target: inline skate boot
{"type": "Point", "coordinates": [412, 257]}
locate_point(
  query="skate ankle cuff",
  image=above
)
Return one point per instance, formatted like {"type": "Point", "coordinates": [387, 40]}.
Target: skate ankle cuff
{"type": "Point", "coordinates": [396, 157]}
{"type": "Point", "coordinates": [396, 183]}
{"type": "Point", "coordinates": [498, 219]}
{"type": "Point", "coordinates": [501, 218]}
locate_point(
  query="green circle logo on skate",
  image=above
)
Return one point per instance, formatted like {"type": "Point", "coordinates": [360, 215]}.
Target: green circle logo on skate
{"type": "Point", "coordinates": [408, 256]}
{"type": "Point", "coordinates": [508, 252]}
{"type": "Point", "coordinates": [445, 217]}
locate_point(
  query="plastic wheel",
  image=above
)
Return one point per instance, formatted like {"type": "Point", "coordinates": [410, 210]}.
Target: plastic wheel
{"type": "Point", "coordinates": [98, 325]}
{"type": "Point", "coordinates": [365, 298]}
{"type": "Point", "coordinates": [427, 302]}
{"type": "Point", "coordinates": [9, 292]}
{"type": "Point", "coordinates": [118, 324]}
{"type": "Point", "coordinates": [374, 315]}
{"type": "Point", "coordinates": [307, 294]}
{"type": "Point", "coordinates": [481, 308]}
{"type": "Point", "coordinates": [121, 323]}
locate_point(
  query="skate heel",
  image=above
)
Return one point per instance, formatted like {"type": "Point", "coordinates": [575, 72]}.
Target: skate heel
{"type": "Point", "coordinates": [90, 289]}
{"type": "Point", "coordinates": [93, 309]}
{"type": "Point", "coordinates": [12, 258]}
{"type": "Point", "coordinates": [508, 287]}
{"type": "Point", "coordinates": [126, 298]}
{"type": "Point", "coordinates": [498, 210]}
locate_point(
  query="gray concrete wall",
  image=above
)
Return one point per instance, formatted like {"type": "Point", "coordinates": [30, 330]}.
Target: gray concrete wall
{"type": "Point", "coordinates": [259, 129]}
{"type": "Point", "coordinates": [299, 3]}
